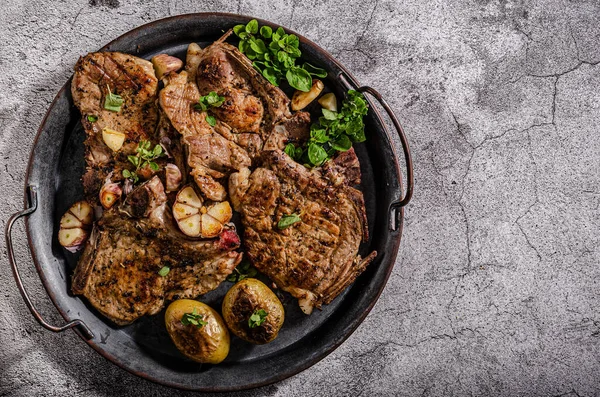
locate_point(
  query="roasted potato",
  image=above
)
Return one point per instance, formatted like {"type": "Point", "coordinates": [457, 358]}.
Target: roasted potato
{"type": "Point", "coordinates": [253, 312]}
{"type": "Point", "coordinates": [198, 331]}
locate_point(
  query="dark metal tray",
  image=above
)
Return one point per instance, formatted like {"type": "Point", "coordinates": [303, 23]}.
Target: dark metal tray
{"type": "Point", "coordinates": [144, 348]}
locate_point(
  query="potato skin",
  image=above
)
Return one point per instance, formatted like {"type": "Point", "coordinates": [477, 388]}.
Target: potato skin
{"type": "Point", "coordinates": [207, 344]}
{"type": "Point", "coordinates": [242, 300]}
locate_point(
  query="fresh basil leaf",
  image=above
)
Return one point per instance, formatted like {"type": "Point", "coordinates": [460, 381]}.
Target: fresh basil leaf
{"type": "Point", "coordinates": [237, 29]}
{"type": "Point", "coordinates": [319, 135]}
{"type": "Point", "coordinates": [258, 46]}
{"type": "Point", "coordinates": [316, 154]}
{"type": "Point", "coordinates": [243, 46]}
{"type": "Point", "coordinates": [315, 71]}
{"type": "Point", "coordinates": [113, 102]}
{"type": "Point", "coordinates": [193, 318]}
{"type": "Point", "coordinates": [257, 318]}
{"type": "Point", "coordinates": [299, 79]}
{"type": "Point", "coordinates": [252, 27]}
{"type": "Point", "coordinates": [329, 115]}
{"type": "Point", "coordinates": [211, 121]}
{"type": "Point", "coordinates": [157, 151]}
{"type": "Point", "coordinates": [266, 32]}
{"type": "Point", "coordinates": [342, 144]}
{"type": "Point", "coordinates": [271, 76]}
{"type": "Point", "coordinates": [164, 271]}
{"type": "Point", "coordinates": [290, 150]}
{"type": "Point", "coordinates": [288, 220]}
{"type": "Point", "coordinates": [91, 118]}
{"type": "Point", "coordinates": [153, 166]}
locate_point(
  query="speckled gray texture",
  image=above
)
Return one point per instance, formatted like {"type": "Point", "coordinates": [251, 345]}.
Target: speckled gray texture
{"type": "Point", "coordinates": [495, 291]}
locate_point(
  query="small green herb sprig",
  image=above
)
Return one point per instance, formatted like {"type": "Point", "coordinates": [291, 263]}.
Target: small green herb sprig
{"type": "Point", "coordinates": [288, 220]}
{"type": "Point", "coordinates": [145, 157]}
{"type": "Point", "coordinates": [257, 318]}
{"type": "Point", "coordinates": [335, 132]}
{"type": "Point", "coordinates": [112, 102]}
{"type": "Point", "coordinates": [274, 55]}
{"type": "Point", "coordinates": [193, 318]}
{"type": "Point", "coordinates": [212, 100]}
{"type": "Point", "coordinates": [242, 271]}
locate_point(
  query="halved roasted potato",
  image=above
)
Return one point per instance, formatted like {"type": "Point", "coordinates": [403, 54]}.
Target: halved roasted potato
{"type": "Point", "coordinates": [198, 331]}
{"type": "Point", "coordinates": [75, 225]}
{"type": "Point", "coordinates": [253, 312]}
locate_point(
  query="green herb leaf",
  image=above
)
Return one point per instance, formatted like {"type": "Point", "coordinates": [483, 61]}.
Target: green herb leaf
{"type": "Point", "coordinates": [193, 318]}
{"type": "Point", "coordinates": [315, 71]}
{"type": "Point", "coordinates": [271, 75]}
{"type": "Point", "coordinates": [252, 27]}
{"type": "Point", "coordinates": [290, 150]}
{"type": "Point", "coordinates": [211, 121]}
{"type": "Point", "coordinates": [126, 174]}
{"type": "Point", "coordinates": [288, 220]}
{"type": "Point", "coordinates": [257, 318]}
{"type": "Point", "coordinates": [242, 271]}
{"type": "Point", "coordinates": [164, 271]}
{"type": "Point", "coordinates": [342, 144]}
{"type": "Point", "coordinates": [299, 79]}
{"type": "Point", "coordinates": [153, 166]}
{"type": "Point", "coordinates": [211, 100]}
{"type": "Point", "coordinates": [329, 115]}
{"type": "Point", "coordinates": [266, 32]}
{"type": "Point", "coordinates": [113, 102]}
{"type": "Point", "coordinates": [316, 154]}
{"type": "Point", "coordinates": [237, 29]}
{"type": "Point", "coordinates": [92, 118]}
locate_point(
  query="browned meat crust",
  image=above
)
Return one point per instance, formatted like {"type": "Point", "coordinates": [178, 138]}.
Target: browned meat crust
{"type": "Point", "coordinates": [314, 259]}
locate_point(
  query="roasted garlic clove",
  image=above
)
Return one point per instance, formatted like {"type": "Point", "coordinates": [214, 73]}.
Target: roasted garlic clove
{"type": "Point", "coordinates": [329, 102]}
{"type": "Point", "coordinates": [220, 211]}
{"type": "Point", "coordinates": [173, 177]}
{"type": "Point", "coordinates": [188, 196]}
{"type": "Point", "coordinates": [165, 64]}
{"type": "Point", "coordinates": [113, 139]}
{"type": "Point", "coordinates": [72, 239]}
{"type": "Point", "coordinates": [302, 99]}
{"type": "Point", "coordinates": [210, 226]}
{"type": "Point", "coordinates": [191, 226]}
{"type": "Point", "coordinates": [110, 194]}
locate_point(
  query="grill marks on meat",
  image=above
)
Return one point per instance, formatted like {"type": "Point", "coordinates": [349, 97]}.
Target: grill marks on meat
{"type": "Point", "coordinates": [131, 77]}
{"type": "Point", "coordinates": [131, 242]}
{"type": "Point", "coordinates": [316, 259]}
{"type": "Point", "coordinates": [211, 156]}
{"type": "Point", "coordinates": [118, 270]}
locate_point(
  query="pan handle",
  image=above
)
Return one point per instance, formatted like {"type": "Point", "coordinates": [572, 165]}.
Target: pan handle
{"type": "Point", "coordinates": [397, 205]}
{"type": "Point", "coordinates": [32, 194]}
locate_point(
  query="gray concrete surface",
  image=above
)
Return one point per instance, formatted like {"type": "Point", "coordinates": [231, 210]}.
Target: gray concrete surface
{"type": "Point", "coordinates": [495, 291]}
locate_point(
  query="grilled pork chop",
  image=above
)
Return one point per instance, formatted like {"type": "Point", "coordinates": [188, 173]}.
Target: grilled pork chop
{"type": "Point", "coordinates": [133, 79]}
{"type": "Point", "coordinates": [131, 242]}
{"type": "Point", "coordinates": [118, 270]}
{"type": "Point", "coordinates": [255, 115]}
{"type": "Point", "coordinates": [314, 259]}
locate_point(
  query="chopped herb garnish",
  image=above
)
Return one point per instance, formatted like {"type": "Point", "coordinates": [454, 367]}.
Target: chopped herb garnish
{"type": "Point", "coordinates": [212, 100]}
{"type": "Point", "coordinates": [112, 101]}
{"type": "Point", "coordinates": [257, 318]}
{"type": "Point", "coordinates": [334, 132]}
{"type": "Point", "coordinates": [92, 118]}
{"type": "Point", "coordinates": [288, 220]}
{"type": "Point", "coordinates": [274, 55]}
{"type": "Point", "coordinates": [145, 157]}
{"type": "Point", "coordinates": [193, 318]}
{"type": "Point", "coordinates": [164, 271]}
{"type": "Point", "coordinates": [242, 271]}
{"type": "Point", "coordinates": [211, 121]}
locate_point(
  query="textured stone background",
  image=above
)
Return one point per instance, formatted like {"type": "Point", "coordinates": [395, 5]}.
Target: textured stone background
{"type": "Point", "coordinates": [496, 287]}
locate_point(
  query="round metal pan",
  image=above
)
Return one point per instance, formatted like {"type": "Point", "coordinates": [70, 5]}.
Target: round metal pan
{"type": "Point", "coordinates": [144, 348]}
